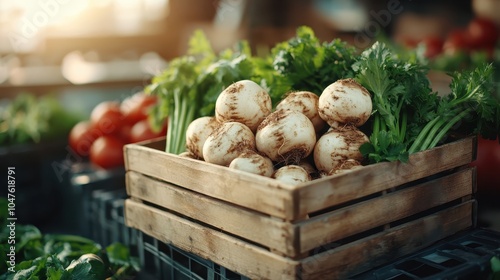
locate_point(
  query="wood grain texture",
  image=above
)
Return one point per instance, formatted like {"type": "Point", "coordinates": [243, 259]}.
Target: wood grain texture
{"type": "Point", "coordinates": [369, 214]}
{"type": "Point", "coordinates": [293, 239]}
{"type": "Point", "coordinates": [292, 203]}
{"type": "Point", "coordinates": [327, 192]}
{"type": "Point", "coordinates": [232, 253]}
{"type": "Point", "coordinates": [334, 263]}
{"type": "Point", "coordinates": [252, 191]}
{"type": "Point", "coordinates": [369, 252]}
{"type": "Point", "coordinates": [252, 225]}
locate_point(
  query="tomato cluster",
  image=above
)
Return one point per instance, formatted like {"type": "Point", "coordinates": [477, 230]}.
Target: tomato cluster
{"type": "Point", "coordinates": [480, 34]}
{"type": "Point", "coordinates": [111, 126]}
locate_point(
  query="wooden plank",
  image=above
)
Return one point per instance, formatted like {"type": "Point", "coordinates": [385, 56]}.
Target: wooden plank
{"type": "Point", "coordinates": [251, 225]}
{"type": "Point", "coordinates": [331, 191]}
{"type": "Point", "coordinates": [366, 253]}
{"type": "Point", "coordinates": [252, 191]}
{"type": "Point", "coordinates": [382, 210]}
{"type": "Point", "coordinates": [232, 253]}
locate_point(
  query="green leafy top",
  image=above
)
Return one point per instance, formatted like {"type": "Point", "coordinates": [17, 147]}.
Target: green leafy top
{"type": "Point", "coordinates": [405, 109]}
{"type": "Point", "coordinates": [471, 106]}
{"type": "Point", "coordinates": [473, 90]}
{"type": "Point", "coordinates": [310, 64]}
{"type": "Point", "coordinates": [401, 98]}
{"type": "Point", "coordinates": [189, 86]}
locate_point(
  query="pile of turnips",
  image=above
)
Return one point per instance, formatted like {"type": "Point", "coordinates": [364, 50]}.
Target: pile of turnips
{"type": "Point", "coordinates": [305, 137]}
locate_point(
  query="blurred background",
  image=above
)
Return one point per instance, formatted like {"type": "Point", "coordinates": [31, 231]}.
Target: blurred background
{"type": "Point", "coordinates": [68, 67]}
{"type": "Point", "coordinates": [83, 52]}
{"type": "Point", "coordinates": [48, 45]}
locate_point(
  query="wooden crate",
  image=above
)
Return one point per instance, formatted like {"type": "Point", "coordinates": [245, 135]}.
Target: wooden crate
{"type": "Point", "coordinates": [328, 228]}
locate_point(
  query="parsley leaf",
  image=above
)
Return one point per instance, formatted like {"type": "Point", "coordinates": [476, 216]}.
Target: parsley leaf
{"type": "Point", "coordinates": [311, 65]}
{"type": "Point", "coordinates": [399, 89]}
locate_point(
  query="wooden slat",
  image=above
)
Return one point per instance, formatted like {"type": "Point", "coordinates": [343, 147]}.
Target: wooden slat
{"type": "Point", "coordinates": [260, 193]}
{"type": "Point", "coordinates": [378, 211]}
{"type": "Point", "coordinates": [364, 254]}
{"type": "Point", "coordinates": [232, 253]}
{"type": "Point", "coordinates": [327, 192]}
{"type": "Point", "coordinates": [314, 232]}
{"type": "Point", "coordinates": [255, 262]}
{"type": "Point", "coordinates": [251, 225]}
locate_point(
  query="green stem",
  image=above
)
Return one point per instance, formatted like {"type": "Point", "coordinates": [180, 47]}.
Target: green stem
{"type": "Point", "coordinates": [181, 125]}
{"type": "Point", "coordinates": [182, 115]}
{"type": "Point", "coordinates": [376, 124]}
{"type": "Point", "coordinates": [383, 125]}
{"type": "Point", "coordinates": [399, 121]}
{"type": "Point", "coordinates": [432, 132]}
{"type": "Point", "coordinates": [173, 120]}
{"type": "Point", "coordinates": [415, 147]}
{"type": "Point", "coordinates": [402, 130]}
{"type": "Point", "coordinates": [447, 127]}
{"type": "Point", "coordinates": [187, 111]}
{"type": "Point", "coordinates": [178, 115]}
{"type": "Point", "coordinates": [168, 140]}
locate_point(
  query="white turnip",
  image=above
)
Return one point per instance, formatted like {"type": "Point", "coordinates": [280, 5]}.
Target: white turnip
{"type": "Point", "coordinates": [345, 166]}
{"type": "Point", "coordinates": [228, 140]}
{"type": "Point", "coordinates": [292, 174]}
{"type": "Point", "coordinates": [188, 155]}
{"type": "Point", "coordinates": [305, 102]}
{"type": "Point", "coordinates": [338, 145]}
{"type": "Point", "coordinates": [309, 167]}
{"type": "Point", "coordinates": [245, 102]}
{"type": "Point", "coordinates": [345, 101]}
{"type": "Point", "coordinates": [286, 136]}
{"type": "Point", "coordinates": [197, 133]}
{"type": "Point", "coordinates": [254, 163]}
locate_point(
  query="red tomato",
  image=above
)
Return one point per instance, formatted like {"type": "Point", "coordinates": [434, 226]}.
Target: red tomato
{"type": "Point", "coordinates": [81, 138]}
{"type": "Point", "coordinates": [483, 33]}
{"type": "Point", "coordinates": [125, 133]}
{"type": "Point", "coordinates": [488, 165]}
{"type": "Point", "coordinates": [107, 117]}
{"type": "Point", "coordinates": [107, 152]}
{"type": "Point", "coordinates": [142, 131]}
{"type": "Point", "coordinates": [433, 46]}
{"type": "Point", "coordinates": [457, 41]}
{"type": "Point", "coordinates": [136, 107]}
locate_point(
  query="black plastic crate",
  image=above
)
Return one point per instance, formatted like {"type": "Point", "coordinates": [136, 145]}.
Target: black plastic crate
{"type": "Point", "coordinates": [76, 191]}
{"type": "Point", "coordinates": [36, 179]}
{"type": "Point", "coordinates": [163, 261]}
{"type": "Point", "coordinates": [464, 256]}
{"type": "Point", "coordinates": [105, 215]}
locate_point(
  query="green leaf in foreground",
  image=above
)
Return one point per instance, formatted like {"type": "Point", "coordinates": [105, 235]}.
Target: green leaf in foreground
{"type": "Point", "coordinates": [495, 268]}
{"type": "Point", "coordinates": [119, 256]}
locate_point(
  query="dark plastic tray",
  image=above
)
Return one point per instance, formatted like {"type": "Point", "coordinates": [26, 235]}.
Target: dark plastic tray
{"type": "Point", "coordinates": [162, 261]}
{"type": "Point", "coordinates": [464, 256]}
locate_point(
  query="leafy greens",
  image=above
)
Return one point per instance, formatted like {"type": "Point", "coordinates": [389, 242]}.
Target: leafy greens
{"type": "Point", "coordinates": [407, 116]}
{"type": "Point", "coordinates": [49, 256]}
